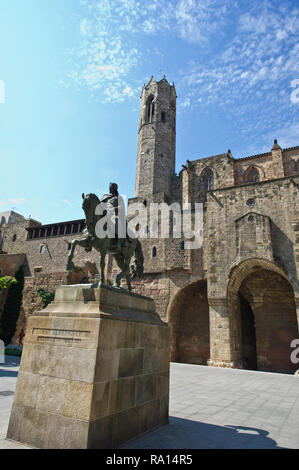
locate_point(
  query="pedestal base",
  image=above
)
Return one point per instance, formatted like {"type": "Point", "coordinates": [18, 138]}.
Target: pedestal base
{"type": "Point", "coordinates": [94, 371]}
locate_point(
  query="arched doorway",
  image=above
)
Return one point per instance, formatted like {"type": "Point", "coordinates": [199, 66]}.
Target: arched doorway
{"type": "Point", "coordinates": [263, 316]}
{"type": "Point", "coordinates": [248, 334]}
{"type": "Point", "coordinates": [189, 324]}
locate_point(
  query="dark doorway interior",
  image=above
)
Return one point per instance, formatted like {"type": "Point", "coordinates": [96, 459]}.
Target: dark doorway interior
{"type": "Point", "coordinates": [249, 355]}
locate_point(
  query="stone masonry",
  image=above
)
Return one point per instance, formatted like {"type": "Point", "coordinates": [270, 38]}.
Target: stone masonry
{"type": "Point", "coordinates": [232, 302]}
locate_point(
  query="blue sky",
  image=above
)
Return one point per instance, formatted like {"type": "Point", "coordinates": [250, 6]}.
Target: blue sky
{"type": "Point", "coordinates": [73, 71]}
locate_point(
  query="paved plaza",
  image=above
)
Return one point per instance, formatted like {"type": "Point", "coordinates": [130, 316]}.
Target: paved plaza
{"type": "Point", "coordinates": [210, 408]}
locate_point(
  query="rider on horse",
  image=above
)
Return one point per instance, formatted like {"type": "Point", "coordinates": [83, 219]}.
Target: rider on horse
{"type": "Point", "coordinates": [115, 207]}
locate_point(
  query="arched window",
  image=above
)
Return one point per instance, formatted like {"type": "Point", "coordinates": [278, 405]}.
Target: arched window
{"type": "Point", "coordinates": [154, 253]}
{"type": "Point", "coordinates": [252, 175]}
{"type": "Point", "coordinates": [207, 182]}
{"type": "Point", "coordinates": [150, 109]}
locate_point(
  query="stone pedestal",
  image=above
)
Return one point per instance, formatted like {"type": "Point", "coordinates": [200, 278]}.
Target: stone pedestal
{"type": "Point", "coordinates": [94, 371]}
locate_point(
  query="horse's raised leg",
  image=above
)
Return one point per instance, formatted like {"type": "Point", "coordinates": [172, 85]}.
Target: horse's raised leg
{"type": "Point", "coordinates": [84, 243]}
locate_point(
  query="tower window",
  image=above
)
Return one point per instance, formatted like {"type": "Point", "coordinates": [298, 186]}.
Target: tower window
{"type": "Point", "coordinates": [42, 249]}
{"type": "Point", "coordinates": [163, 116]}
{"type": "Point", "coordinates": [183, 245]}
{"type": "Point", "coordinates": [150, 109]}
{"type": "Point", "coordinates": [207, 178]}
{"type": "Point", "coordinates": [14, 238]}
{"type": "Point", "coordinates": [154, 253]}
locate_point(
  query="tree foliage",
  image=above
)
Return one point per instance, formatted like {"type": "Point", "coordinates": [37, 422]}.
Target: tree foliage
{"type": "Point", "coordinates": [12, 306]}
{"type": "Point", "coordinates": [46, 296]}
{"type": "Point", "coordinates": [6, 281]}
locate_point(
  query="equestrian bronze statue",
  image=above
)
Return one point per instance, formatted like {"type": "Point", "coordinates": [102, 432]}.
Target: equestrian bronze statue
{"type": "Point", "coordinates": [119, 245]}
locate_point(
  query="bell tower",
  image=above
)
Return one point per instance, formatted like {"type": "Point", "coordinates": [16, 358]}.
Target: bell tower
{"type": "Point", "coordinates": [156, 139]}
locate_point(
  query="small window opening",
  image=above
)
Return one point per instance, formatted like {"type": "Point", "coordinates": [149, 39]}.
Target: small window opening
{"type": "Point", "coordinates": [154, 254]}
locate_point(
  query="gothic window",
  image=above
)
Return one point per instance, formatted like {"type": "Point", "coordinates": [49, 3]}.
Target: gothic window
{"type": "Point", "coordinates": [207, 178]}
{"type": "Point", "coordinates": [252, 175]}
{"type": "Point", "coordinates": [154, 254]}
{"type": "Point", "coordinates": [183, 245]}
{"type": "Point", "coordinates": [150, 109]}
{"type": "Point", "coordinates": [163, 116]}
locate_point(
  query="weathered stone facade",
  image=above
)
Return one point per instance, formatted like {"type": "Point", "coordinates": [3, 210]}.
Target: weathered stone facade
{"type": "Point", "coordinates": [233, 302]}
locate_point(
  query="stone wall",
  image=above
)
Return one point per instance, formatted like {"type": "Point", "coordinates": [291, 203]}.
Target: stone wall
{"type": "Point", "coordinates": [278, 200]}
{"type": "Point", "coordinates": [44, 254]}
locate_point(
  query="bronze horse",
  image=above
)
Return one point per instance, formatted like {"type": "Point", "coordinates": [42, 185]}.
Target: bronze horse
{"type": "Point", "coordinates": [122, 255]}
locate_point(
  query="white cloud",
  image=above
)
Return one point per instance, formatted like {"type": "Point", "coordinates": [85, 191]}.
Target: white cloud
{"type": "Point", "coordinates": [20, 200]}
{"type": "Point", "coordinates": [244, 55]}
{"type": "Point", "coordinates": [110, 32]}
{"type": "Point", "coordinates": [66, 201]}
{"type": "Point", "coordinates": [287, 136]}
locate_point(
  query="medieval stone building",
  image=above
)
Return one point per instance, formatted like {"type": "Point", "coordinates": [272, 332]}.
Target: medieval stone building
{"type": "Point", "coordinates": [232, 302]}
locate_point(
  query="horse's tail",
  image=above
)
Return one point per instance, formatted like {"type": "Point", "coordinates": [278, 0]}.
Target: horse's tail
{"type": "Point", "coordinates": [137, 267]}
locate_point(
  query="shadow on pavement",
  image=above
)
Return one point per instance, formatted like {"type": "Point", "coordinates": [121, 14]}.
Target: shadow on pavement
{"type": "Point", "coordinates": [187, 434]}
{"type": "Point", "coordinates": [8, 373]}
{"type": "Point", "coordinates": [10, 361]}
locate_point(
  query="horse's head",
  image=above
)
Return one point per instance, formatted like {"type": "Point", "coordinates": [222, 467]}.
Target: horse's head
{"type": "Point", "coordinates": [89, 204]}
{"type": "Point", "coordinates": [90, 200]}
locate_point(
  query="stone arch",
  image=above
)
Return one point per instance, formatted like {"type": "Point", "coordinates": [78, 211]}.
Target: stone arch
{"type": "Point", "coordinates": [188, 319]}
{"type": "Point", "coordinates": [207, 181]}
{"type": "Point", "coordinates": [262, 313]}
{"type": "Point", "coordinates": [150, 109]}
{"type": "Point", "coordinates": [253, 174]}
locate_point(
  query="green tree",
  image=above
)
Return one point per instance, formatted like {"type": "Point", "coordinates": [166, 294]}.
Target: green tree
{"type": "Point", "coordinates": [6, 281]}
{"type": "Point", "coordinates": [12, 307]}
{"type": "Point", "coordinates": [46, 296]}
